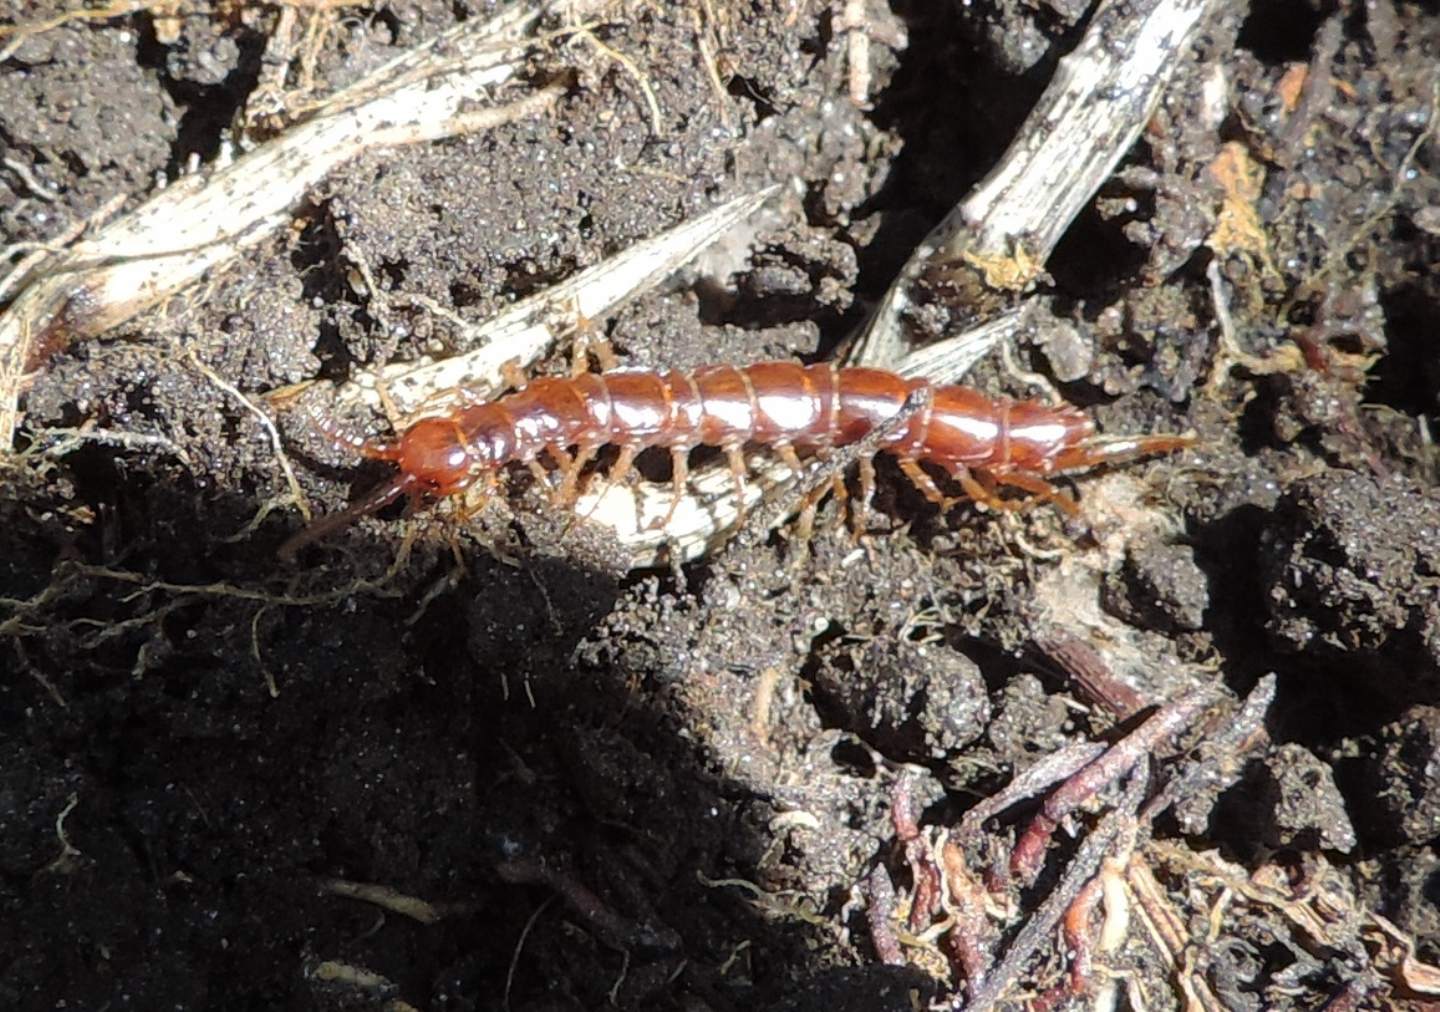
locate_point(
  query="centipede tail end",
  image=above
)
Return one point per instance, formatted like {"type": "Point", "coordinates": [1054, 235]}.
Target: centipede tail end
{"type": "Point", "coordinates": [1100, 451]}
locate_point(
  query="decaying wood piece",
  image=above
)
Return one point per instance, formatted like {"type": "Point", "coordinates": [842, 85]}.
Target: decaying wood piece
{"type": "Point", "coordinates": [202, 222]}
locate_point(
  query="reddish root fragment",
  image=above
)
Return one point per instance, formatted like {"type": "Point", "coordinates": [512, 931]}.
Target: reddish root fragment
{"type": "Point", "coordinates": [880, 915]}
{"type": "Point", "coordinates": [1050, 769]}
{"type": "Point", "coordinates": [1078, 935]}
{"type": "Point", "coordinates": [1092, 674]}
{"type": "Point", "coordinates": [1138, 746]}
{"type": "Point", "coordinates": [926, 897]}
{"type": "Point", "coordinates": [902, 808]}
{"type": "Point", "coordinates": [924, 875]}
{"type": "Point", "coordinates": [971, 940]}
{"type": "Point", "coordinates": [1039, 928]}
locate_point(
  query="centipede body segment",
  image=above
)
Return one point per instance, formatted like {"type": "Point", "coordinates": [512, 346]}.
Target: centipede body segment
{"type": "Point", "coordinates": [792, 409]}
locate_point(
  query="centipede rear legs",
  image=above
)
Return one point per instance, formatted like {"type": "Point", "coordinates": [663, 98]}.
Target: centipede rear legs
{"type": "Point", "coordinates": [1033, 484]}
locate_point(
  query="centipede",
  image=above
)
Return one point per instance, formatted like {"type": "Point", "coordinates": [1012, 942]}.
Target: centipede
{"type": "Point", "coordinates": [983, 444]}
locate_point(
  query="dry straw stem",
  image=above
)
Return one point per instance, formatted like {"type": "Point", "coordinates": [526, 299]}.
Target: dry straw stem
{"type": "Point", "coordinates": [202, 222]}
{"type": "Point", "coordinates": [1101, 97]}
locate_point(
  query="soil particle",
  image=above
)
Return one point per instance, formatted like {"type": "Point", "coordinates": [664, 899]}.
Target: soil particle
{"type": "Point", "coordinates": [913, 703]}
{"type": "Point", "coordinates": [1027, 722]}
{"type": "Point", "coordinates": [1402, 781]}
{"type": "Point", "coordinates": [88, 117]}
{"type": "Point", "coordinates": [1291, 800]}
{"type": "Point", "coordinates": [1159, 587]}
{"type": "Point", "coordinates": [204, 53]}
{"type": "Point", "coordinates": [1352, 564]}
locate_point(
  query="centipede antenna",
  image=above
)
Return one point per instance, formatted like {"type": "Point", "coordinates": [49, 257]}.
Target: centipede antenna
{"type": "Point", "coordinates": [372, 502]}
{"type": "Point", "coordinates": [379, 449]}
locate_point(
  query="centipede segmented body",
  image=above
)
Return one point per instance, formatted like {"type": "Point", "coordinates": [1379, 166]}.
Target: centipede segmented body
{"type": "Point", "coordinates": [982, 443]}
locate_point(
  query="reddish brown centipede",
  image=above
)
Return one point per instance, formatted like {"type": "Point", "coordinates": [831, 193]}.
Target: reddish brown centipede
{"type": "Point", "coordinates": [980, 442]}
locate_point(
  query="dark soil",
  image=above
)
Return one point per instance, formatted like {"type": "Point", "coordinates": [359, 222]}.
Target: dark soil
{"type": "Point", "coordinates": [637, 791]}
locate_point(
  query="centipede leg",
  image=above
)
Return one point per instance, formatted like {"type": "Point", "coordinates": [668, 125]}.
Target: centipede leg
{"type": "Point", "coordinates": [1040, 487]}
{"type": "Point", "coordinates": [805, 521]}
{"type": "Point", "coordinates": [387, 404]}
{"type": "Point", "coordinates": [804, 530]}
{"type": "Point", "coordinates": [981, 486]}
{"type": "Point", "coordinates": [789, 457]}
{"type": "Point", "coordinates": [736, 460]}
{"type": "Point", "coordinates": [587, 339]}
{"type": "Point", "coordinates": [841, 492]}
{"type": "Point", "coordinates": [561, 456]}
{"type": "Point", "coordinates": [542, 476]}
{"type": "Point", "coordinates": [564, 463]}
{"type": "Point", "coordinates": [620, 473]}
{"type": "Point", "coordinates": [679, 477]}
{"type": "Point", "coordinates": [512, 374]}
{"type": "Point", "coordinates": [587, 342]}
{"type": "Point", "coordinates": [604, 353]}
{"type": "Point", "coordinates": [380, 449]}
{"type": "Point", "coordinates": [465, 395]}
{"type": "Point", "coordinates": [624, 464]}
{"type": "Point", "coordinates": [569, 484]}
{"type": "Point", "coordinates": [477, 498]}
{"type": "Point", "coordinates": [860, 511]}
{"type": "Point", "coordinates": [921, 479]}
{"type": "Point", "coordinates": [982, 492]}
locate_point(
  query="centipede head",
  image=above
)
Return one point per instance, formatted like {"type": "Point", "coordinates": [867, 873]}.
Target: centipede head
{"type": "Point", "coordinates": [437, 455]}
{"type": "Point", "coordinates": [434, 457]}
